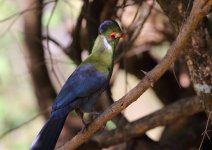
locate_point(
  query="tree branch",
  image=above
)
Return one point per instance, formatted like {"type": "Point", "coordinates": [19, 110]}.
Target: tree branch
{"type": "Point", "coordinates": [199, 10]}
{"type": "Point", "coordinates": [44, 89]}
{"type": "Point", "coordinates": [17, 15]}
{"type": "Point", "coordinates": [162, 117]}
{"type": "Point", "coordinates": [199, 60]}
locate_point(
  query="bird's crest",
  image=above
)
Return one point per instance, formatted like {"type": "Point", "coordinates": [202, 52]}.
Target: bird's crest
{"type": "Point", "coordinates": [111, 29]}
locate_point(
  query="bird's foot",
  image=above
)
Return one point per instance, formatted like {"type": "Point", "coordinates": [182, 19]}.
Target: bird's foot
{"type": "Point", "coordinates": [85, 128]}
{"type": "Point", "coordinates": [94, 115]}
{"type": "Point", "coordinates": [89, 118]}
{"type": "Point", "coordinates": [85, 123]}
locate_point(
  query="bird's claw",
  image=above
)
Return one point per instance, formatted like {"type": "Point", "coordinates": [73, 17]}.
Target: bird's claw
{"type": "Point", "coordinates": [85, 128]}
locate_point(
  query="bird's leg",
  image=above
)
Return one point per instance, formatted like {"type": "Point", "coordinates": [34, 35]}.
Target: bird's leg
{"type": "Point", "coordinates": [94, 115]}
{"type": "Point", "coordinates": [81, 114]}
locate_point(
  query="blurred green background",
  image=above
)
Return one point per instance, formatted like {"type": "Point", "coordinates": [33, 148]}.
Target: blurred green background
{"type": "Point", "coordinates": [17, 100]}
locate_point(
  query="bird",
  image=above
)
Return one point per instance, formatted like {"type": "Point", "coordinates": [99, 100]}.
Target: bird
{"type": "Point", "coordinates": [83, 87]}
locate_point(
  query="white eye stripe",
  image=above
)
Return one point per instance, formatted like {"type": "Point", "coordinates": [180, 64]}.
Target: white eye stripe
{"type": "Point", "coordinates": [117, 35]}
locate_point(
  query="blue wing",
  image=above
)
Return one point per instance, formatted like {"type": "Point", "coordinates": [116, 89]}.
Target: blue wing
{"type": "Point", "coordinates": [83, 82]}
{"type": "Point", "coordinates": [81, 89]}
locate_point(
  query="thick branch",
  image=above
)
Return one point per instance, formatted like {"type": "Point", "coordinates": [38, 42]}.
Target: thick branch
{"type": "Point", "coordinates": [44, 89]}
{"type": "Point", "coordinates": [199, 60]}
{"type": "Point", "coordinates": [161, 117]}
{"type": "Point", "coordinates": [199, 10]}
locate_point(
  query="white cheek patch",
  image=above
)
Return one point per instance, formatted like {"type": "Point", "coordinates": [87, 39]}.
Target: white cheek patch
{"type": "Point", "coordinates": [106, 44]}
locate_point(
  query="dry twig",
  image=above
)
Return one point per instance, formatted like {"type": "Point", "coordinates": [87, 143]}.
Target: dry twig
{"type": "Point", "coordinates": [17, 15]}
{"type": "Point", "coordinates": [24, 123]}
{"type": "Point", "coordinates": [205, 133]}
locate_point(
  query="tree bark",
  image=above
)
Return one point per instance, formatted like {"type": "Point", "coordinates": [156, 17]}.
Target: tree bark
{"type": "Point", "coordinates": [170, 114]}
{"type": "Point", "coordinates": [199, 61]}
{"type": "Point", "coordinates": [43, 87]}
{"type": "Point", "coordinates": [199, 54]}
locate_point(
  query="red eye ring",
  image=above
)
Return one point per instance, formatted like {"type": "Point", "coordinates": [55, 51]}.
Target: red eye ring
{"type": "Point", "coordinates": [113, 35]}
{"type": "Point", "coordinates": [123, 36]}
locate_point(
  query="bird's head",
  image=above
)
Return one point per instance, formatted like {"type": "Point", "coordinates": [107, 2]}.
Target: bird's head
{"type": "Point", "coordinates": [111, 31]}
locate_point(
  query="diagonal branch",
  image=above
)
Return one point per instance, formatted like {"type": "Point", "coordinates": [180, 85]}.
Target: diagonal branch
{"type": "Point", "coordinates": [199, 10]}
{"type": "Point", "coordinates": [162, 117]}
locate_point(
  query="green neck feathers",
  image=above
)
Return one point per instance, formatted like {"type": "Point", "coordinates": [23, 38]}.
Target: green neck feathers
{"type": "Point", "coordinates": [102, 54]}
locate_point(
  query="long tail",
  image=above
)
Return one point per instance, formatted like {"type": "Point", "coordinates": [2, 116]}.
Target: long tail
{"type": "Point", "coordinates": [47, 137]}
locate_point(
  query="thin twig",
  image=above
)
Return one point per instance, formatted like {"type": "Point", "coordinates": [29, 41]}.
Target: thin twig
{"type": "Point", "coordinates": [74, 49]}
{"type": "Point", "coordinates": [59, 45]}
{"type": "Point", "coordinates": [175, 76]}
{"type": "Point", "coordinates": [18, 15]}
{"type": "Point", "coordinates": [47, 42]}
{"type": "Point", "coordinates": [141, 23]}
{"type": "Point", "coordinates": [124, 4]}
{"type": "Point", "coordinates": [137, 12]}
{"type": "Point", "coordinates": [2, 135]}
{"type": "Point", "coordinates": [205, 133]}
{"type": "Point", "coordinates": [134, 33]}
{"type": "Point", "coordinates": [131, 41]}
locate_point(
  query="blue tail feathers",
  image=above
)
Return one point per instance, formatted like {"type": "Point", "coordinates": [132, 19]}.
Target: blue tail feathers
{"type": "Point", "coordinates": [47, 137]}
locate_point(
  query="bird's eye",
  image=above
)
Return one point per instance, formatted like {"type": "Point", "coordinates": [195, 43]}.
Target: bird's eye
{"type": "Point", "coordinates": [113, 35]}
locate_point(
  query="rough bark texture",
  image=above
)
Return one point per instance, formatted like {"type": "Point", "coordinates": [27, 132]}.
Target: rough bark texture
{"type": "Point", "coordinates": [199, 61]}
{"type": "Point", "coordinates": [199, 55]}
